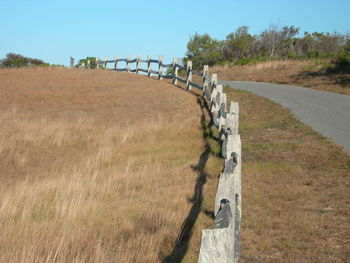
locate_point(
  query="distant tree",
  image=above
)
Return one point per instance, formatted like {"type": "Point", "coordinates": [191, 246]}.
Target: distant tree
{"type": "Point", "coordinates": [84, 62]}
{"type": "Point", "coordinates": [328, 44]}
{"type": "Point", "coordinates": [288, 40]}
{"type": "Point", "coordinates": [321, 44]}
{"type": "Point", "coordinates": [345, 54]}
{"type": "Point", "coordinates": [238, 44]}
{"type": "Point", "coordinates": [204, 50]}
{"type": "Point", "coordinates": [342, 62]}
{"type": "Point", "coordinates": [17, 60]}
{"type": "Point", "coordinates": [277, 42]}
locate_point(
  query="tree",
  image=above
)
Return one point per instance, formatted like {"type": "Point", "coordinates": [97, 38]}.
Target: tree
{"type": "Point", "coordinates": [17, 60]}
{"type": "Point", "coordinates": [84, 62]}
{"type": "Point", "coordinates": [238, 44]}
{"type": "Point", "coordinates": [342, 63]}
{"type": "Point", "coordinates": [322, 44]}
{"type": "Point", "coordinates": [277, 42]}
{"type": "Point", "coordinates": [203, 50]}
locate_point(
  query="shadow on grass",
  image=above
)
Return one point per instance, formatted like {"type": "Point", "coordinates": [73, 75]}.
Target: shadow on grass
{"type": "Point", "coordinates": [338, 72]}
{"type": "Point", "coordinates": [182, 242]}
{"type": "Point", "coordinates": [343, 80]}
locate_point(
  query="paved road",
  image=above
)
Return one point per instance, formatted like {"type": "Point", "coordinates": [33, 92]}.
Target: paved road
{"type": "Point", "coordinates": [328, 113]}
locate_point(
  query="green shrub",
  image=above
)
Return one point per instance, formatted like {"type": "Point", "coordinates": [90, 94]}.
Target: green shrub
{"type": "Point", "coordinates": [204, 50]}
{"type": "Point", "coordinates": [240, 47]}
{"type": "Point", "coordinates": [84, 62]}
{"type": "Point", "coordinates": [17, 60]}
{"type": "Point", "coordinates": [244, 61]}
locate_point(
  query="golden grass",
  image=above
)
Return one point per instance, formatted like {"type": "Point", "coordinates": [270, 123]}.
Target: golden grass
{"type": "Point", "coordinates": [305, 73]}
{"type": "Point", "coordinates": [99, 167]}
{"type": "Point", "coordinates": [295, 188]}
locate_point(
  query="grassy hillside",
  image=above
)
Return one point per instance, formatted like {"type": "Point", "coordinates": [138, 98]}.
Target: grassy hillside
{"type": "Point", "coordinates": [295, 188]}
{"type": "Point", "coordinates": [316, 74]}
{"type": "Point", "coordinates": [101, 167]}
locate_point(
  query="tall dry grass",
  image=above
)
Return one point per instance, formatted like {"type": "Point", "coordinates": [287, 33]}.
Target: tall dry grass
{"type": "Point", "coordinates": [311, 73]}
{"type": "Point", "coordinates": [295, 187]}
{"type": "Point", "coordinates": [86, 181]}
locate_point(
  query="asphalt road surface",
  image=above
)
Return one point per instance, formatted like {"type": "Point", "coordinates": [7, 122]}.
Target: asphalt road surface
{"type": "Point", "coordinates": [326, 112]}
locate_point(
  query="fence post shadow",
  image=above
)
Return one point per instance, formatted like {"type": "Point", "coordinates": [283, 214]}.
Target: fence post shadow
{"type": "Point", "coordinates": [182, 242]}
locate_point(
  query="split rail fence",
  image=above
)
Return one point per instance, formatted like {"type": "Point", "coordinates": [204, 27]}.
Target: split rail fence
{"type": "Point", "coordinates": [221, 243]}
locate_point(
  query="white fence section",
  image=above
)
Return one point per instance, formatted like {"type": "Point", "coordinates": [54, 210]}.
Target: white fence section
{"type": "Point", "coordinates": [161, 73]}
{"type": "Point", "coordinates": [221, 243]}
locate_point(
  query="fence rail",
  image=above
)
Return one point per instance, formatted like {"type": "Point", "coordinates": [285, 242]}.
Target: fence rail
{"type": "Point", "coordinates": [221, 243]}
{"type": "Point", "coordinates": [172, 69]}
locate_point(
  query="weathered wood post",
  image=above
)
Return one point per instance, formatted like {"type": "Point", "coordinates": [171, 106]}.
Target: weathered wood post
{"type": "Point", "coordinates": [160, 68]}
{"type": "Point", "coordinates": [106, 63]}
{"type": "Point", "coordinates": [222, 111]}
{"type": "Point", "coordinates": [234, 110]}
{"type": "Point", "coordinates": [149, 65]}
{"type": "Point", "coordinates": [215, 90]}
{"type": "Point", "coordinates": [97, 63]}
{"type": "Point", "coordinates": [127, 64]}
{"type": "Point", "coordinates": [115, 63]}
{"type": "Point", "coordinates": [214, 79]}
{"type": "Point", "coordinates": [83, 65]}
{"type": "Point", "coordinates": [138, 63]}
{"type": "Point", "coordinates": [175, 69]}
{"type": "Point", "coordinates": [189, 75]}
{"type": "Point", "coordinates": [205, 79]}
{"type": "Point", "coordinates": [205, 72]}
{"type": "Point", "coordinates": [71, 62]}
{"type": "Point", "coordinates": [238, 198]}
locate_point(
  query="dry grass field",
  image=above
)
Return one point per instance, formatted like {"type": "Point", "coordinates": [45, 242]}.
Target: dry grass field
{"type": "Point", "coordinates": [296, 188]}
{"type": "Point", "coordinates": [99, 166]}
{"type": "Point", "coordinates": [305, 73]}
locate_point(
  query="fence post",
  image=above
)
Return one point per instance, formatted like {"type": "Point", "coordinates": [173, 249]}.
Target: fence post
{"type": "Point", "coordinates": [148, 65]}
{"type": "Point", "coordinates": [71, 62]}
{"type": "Point", "coordinates": [205, 78]}
{"type": "Point", "coordinates": [205, 72]}
{"type": "Point", "coordinates": [175, 69]}
{"type": "Point", "coordinates": [160, 68]}
{"type": "Point", "coordinates": [106, 63]}
{"type": "Point", "coordinates": [137, 64]}
{"type": "Point", "coordinates": [127, 64]}
{"type": "Point", "coordinates": [189, 75]}
{"type": "Point", "coordinates": [214, 79]}
{"type": "Point", "coordinates": [83, 65]}
{"type": "Point", "coordinates": [88, 63]}
{"type": "Point", "coordinates": [115, 63]}
{"type": "Point", "coordinates": [97, 63]}
{"type": "Point", "coordinates": [238, 198]}
{"type": "Point", "coordinates": [223, 112]}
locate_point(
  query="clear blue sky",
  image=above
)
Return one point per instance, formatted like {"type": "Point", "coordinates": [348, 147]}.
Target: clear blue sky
{"type": "Point", "coordinates": [54, 30]}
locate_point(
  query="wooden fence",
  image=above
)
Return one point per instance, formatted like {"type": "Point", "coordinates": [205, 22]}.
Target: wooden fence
{"type": "Point", "coordinates": [160, 73]}
{"type": "Point", "coordinates": [221, 243]}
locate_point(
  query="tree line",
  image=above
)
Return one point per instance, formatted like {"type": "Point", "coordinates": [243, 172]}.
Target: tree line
{"type": "Point", "coordinates": [241, 47]}
{"type": "Point", "coordinates": [13, 60]}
